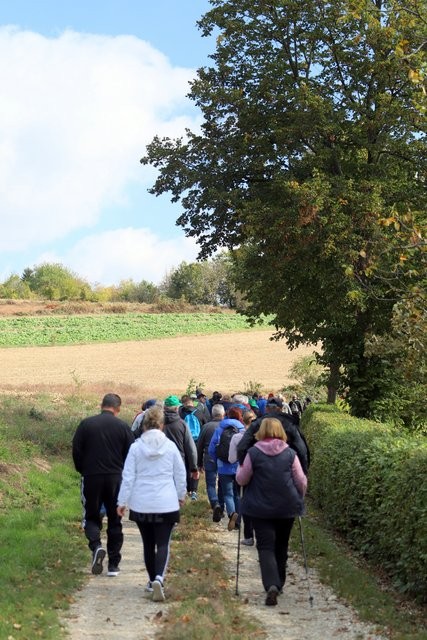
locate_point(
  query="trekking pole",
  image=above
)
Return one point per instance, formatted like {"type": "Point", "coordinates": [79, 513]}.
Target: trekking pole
{"type": "Point", "coordinates": [311, 599]}
{"type": "Point", "coordinates": [238, 545]}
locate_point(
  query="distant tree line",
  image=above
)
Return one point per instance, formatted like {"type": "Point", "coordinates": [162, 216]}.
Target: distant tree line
{"type": "Point", "coordinates": [206, 283]}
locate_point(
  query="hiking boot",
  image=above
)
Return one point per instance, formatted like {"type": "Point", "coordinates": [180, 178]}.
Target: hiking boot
{"type": "Point", "coordinates": [97, 560]}
{"type": "Point", "coordinates": [232, 521]}
{"type": "Point", "coordinates": [113, 570]}
{"type": "Point", "coordinates": [194, 496]}
{"type": "Point", "coordinates": [271, 598]}
{"type": "Point", "coordinates": [217, 513]}
{"type": "Point", "coordinates": [248, 542]}
{"type": "Point", "coordinates": [158, 593]}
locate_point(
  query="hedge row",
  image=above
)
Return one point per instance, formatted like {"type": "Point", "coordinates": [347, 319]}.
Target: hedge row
{"type": "Point", "coordinates": [370, 482]}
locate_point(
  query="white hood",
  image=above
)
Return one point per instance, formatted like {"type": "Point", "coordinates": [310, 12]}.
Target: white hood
{"type": "Point", "coordinates": [154, 443]}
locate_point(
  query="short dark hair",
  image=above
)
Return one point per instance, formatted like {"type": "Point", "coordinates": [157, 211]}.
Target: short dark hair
{"type": "Point", "coordinates": [111, 400]}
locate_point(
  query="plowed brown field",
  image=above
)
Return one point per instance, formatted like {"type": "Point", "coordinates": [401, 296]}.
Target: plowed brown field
{"type": "Point", "coordinates": [221, 362]}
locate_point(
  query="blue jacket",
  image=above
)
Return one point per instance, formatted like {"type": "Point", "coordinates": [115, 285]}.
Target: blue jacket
{"type": "Point", "coordinates": [262, 403]}
{"type": "Point", "coordinates": [224, 468]}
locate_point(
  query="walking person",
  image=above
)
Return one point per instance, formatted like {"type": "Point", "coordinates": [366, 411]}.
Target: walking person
{"type": "Point", "coordinates": [294, 437]}
{"type": "Point", "coordinates": [219, 450]}
{"type": "Point", "coordinates": [248, 529]}
{"type": "Point", "coordinates": [99, 448]}
{"type": "Point", "coordinates": [176, 429]}
{"type": "Point", "coordinates": [275, 486]}
{"type": "Point", "coordinates": [188, 413]}
{"type": "Point", "coordinates": [153, 487]}
{"type": "Point", "coordinates": [209, 465]}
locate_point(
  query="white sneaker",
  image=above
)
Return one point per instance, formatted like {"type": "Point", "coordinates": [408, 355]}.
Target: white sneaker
{"type": "Point", "coordinates": [158, 593]}
{"type": "Point", "coordinates": [148, 588]}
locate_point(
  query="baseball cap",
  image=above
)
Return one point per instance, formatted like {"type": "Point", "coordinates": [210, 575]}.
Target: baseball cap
{"type": "Point", "coordinates": [172, 401]}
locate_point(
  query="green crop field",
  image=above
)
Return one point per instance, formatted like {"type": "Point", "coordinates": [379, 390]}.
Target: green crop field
{"type": "Point", "coordinates": [65, 330]}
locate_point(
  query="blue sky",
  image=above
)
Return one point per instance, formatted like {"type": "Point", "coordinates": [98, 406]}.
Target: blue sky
{"type": "Point", "coordinates": [85, 85]}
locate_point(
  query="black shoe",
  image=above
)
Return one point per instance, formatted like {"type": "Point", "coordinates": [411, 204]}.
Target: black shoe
{"type": "Point", "coordinates": [271, 598]}
{"type": "Point", "coordinates": [216, 514]}
{"type": "Point", "coordinates": [113, 570]}
{"type": "Point", "coordinates": [97, 560]}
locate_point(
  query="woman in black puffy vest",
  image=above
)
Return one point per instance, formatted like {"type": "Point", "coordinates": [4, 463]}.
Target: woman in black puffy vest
{"type": "Point", "coordinates": [275, 487]}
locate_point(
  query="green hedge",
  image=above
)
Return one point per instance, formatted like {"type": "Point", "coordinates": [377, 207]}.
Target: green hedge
{"type": "Point", "coordinates": [370, 482]}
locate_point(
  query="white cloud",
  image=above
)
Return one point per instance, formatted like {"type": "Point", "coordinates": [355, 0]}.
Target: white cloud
{"type": "Point", "coordinates": [75, 115]}
{"type": "Point", "coordinates": [122, 254]}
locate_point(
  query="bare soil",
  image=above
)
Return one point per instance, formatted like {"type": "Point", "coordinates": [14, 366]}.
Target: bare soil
{"type": "Point", "coordinates": [223, 362]}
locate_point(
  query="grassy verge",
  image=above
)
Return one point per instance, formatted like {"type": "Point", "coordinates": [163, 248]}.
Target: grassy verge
{"type": "Point", "coordinates": [41, 544]}
{"type": "Point", "coordinates": [204, 606]}
{"type": "Point", "coordinates": [358, 583]}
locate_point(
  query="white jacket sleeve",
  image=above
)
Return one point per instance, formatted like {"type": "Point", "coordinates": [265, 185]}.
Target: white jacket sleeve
{"type": "Point", "coordinates": [128, 478]}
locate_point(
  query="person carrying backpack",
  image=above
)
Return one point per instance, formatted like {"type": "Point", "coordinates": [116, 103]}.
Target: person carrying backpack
{"type": "Point", "coordinates": [219, 450]}
{"type": "Point", "coordinates": [296, 408]}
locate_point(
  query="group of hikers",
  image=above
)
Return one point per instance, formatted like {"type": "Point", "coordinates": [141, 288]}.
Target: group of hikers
{"type": "Point", "coordinates": [251, 450]}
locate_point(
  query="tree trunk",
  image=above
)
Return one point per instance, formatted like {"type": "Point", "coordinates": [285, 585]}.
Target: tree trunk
{"type": "Point", "coordinates": [334, 374]}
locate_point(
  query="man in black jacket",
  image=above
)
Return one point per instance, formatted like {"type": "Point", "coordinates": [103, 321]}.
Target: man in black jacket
{"type": "Point", "coordinates": [293, 435]}
{"type": "Point", "coordinates": [100, 447]}
{"type": "Point", "coordinates": [178, 431]}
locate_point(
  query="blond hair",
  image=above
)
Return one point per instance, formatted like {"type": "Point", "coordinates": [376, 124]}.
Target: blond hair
{"type": "Point", "coordinates": [153, 418]}
{"type": "Point", "coordinates": [248, 416]}
{"type": "Point", "coordinates": [271, 428]}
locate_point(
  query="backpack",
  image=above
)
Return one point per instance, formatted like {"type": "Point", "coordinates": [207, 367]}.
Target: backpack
{"type": "Point", "coordinates": [193, 424]}
{"type": "Point", "coordinates": [294, 407]}
{"type": "Point", "coordinates": [223, 446]}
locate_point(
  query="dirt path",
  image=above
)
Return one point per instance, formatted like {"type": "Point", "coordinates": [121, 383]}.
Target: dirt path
{"type": "Point", "coordinates": [117, 608]}
{"type": "Point", "coordinates": [221, 361]}
{"type": "Point", "coordinates": [293, 618]}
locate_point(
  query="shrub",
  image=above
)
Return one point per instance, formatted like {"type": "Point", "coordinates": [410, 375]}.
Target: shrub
{"type": "Point", "coordinates": [369, 480]}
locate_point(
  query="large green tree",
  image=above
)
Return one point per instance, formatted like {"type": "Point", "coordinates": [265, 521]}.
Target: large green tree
{"type": "Point", "coordinates": [312, 138]}
{"type": "Point", "coordinates": [208, 282]}
{"type": "Point", "coordinates": [55, 282]}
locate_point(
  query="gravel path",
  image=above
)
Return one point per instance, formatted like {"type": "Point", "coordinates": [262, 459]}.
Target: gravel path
{"type": "Point", "coordinates": [118, 609]}
{"type": "Point", "coordinates": [292, 618]}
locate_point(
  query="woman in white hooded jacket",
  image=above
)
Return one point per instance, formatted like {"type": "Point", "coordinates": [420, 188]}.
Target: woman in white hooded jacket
{"type": "Point", "coordinates": [154, 486]}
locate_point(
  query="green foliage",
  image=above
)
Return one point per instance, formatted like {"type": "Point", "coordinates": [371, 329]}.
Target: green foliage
{"type": "Point", "coordinates": [252, 386]}
{"type": "Point", "coordinates": [310, 377]}
{"type": "Point", "coordinates": [130, 291]}
{"type": "Point", "coordinates": [353, 580]}
{"type": "Point", "coordinates": [51, 330]}
{"type": "Point", "coordinates": [42, 548]}
{"type": "Point", "coordinates": [369, 481]}
{"type": "Point", "coordinates": [313, 136]}
{"type": "Point", "coordinates": [46, 423]}
{"type": "Point", "coordinates": [56, 282]}
{"type": "Point", "coordinates": [192, 385]}
{"type": "Point", "coordinates": [208, 282]}
{"type": "Point", "coordinates": [15, 288]}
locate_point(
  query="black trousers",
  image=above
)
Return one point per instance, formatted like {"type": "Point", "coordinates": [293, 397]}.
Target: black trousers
{"type": "Point", "coordinates": [97, 490]}
{"type": "Point", "coordinates": [156, 540]}
{"type": "Point", "coordinates": [272, 540]}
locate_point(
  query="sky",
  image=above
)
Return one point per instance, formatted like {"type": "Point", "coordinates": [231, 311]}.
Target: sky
{"type": "Point", "coordinates": [85, 85]}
